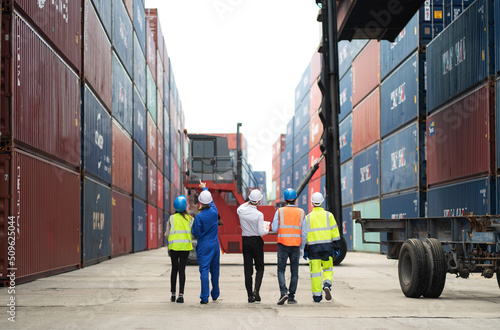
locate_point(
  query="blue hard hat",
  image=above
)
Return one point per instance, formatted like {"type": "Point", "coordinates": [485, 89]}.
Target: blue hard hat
{"type": "Point", "coordinates": [180, 203]}
{"type": "Point", "coordinates": [290, 194]}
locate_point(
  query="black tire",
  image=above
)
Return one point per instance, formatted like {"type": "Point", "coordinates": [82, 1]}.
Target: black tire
{"type": "Point", "coordinates": [436, 268]}
{"type": "Point", "coordinates": [343, 252]}
{"type": "Point", "coordinates": [498, 277]}
{"type": "Point", "coordinates": [412, 268]}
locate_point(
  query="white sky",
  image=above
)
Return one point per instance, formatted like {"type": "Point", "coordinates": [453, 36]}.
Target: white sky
{"type": "Point", "coordinates": [239, 61]}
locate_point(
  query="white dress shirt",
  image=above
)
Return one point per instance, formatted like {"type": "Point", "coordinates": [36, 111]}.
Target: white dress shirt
{"type": "Point", "coordinates": [251, 220]}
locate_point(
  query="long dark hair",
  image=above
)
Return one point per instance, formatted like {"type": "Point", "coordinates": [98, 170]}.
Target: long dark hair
{"type": "Point", "coordinates": [184, 214]}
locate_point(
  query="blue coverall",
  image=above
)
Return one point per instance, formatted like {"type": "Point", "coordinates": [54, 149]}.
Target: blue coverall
{"type": "Point", "coordinates": [206, 229]}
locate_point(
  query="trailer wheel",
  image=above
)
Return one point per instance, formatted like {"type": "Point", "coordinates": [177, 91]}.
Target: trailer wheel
{"type": "Point", "coordinates": [436, 268]}
{"type": "Point", "coordinates": [343, 252]}
{"type": "Point", "coordinates": [412, 268]}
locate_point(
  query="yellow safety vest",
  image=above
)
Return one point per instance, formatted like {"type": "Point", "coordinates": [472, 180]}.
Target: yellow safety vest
{"type": "Point", "coordinates": [320, 228]}
{"type": "Point", "coordinates": [179, 238]}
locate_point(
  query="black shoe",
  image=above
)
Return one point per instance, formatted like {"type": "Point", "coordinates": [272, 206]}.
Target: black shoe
{"type": "Point", "coordinates": [292, 301]}
{"type": "Point", "coordinates": [256, 296]}
{"type": "Point", "coordinates": [203, 302]}
{"type": "Point", "coordinates": [251, 299]}
{"type": "Point", "coordinates": [180, 299]}
{"type": "Point", "coordinates": [172, 298]}
{"type": "Point", "coordinates": [283, 298]}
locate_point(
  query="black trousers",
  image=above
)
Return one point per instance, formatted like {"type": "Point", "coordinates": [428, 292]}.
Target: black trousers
{"type": "Point", "coordinates": [179, 260]}
{"type": "Point", "coordinates": [253, 251]}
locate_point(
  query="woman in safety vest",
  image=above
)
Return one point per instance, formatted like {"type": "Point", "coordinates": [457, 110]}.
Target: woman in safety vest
{"type": "Point", "coordinates": [179, 245]}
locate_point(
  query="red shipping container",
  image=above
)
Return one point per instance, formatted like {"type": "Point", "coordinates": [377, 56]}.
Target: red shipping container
{"type": "Point", "coordinates": [61, 25]}
{"type": "Point", "coordinates": [232, 140]}
{"type": "Point", "coordinates": [366, 122]}
{"type": "Point", "coordinates": [159, 81]}
{"type": "Point", "coordinates": [154, 23]}
{"type": "Point", "coordinates": [45, 95]}
{"type": "Point", "coordinates": [159, 112]}
{"type": "Point", "coordinates": [365, 72]}
{"type": "Point", "coordinates": [160, 152]}
{"type": "Point", "coordinates": [97, 57]}
{"type": "Point", "coordinates": [314, 186]}
{"type": "Point", "coordinates": [160, 229]}
{"type": "Point", "coordinates": [152, 139]}
{"type": "Point", "coordinates": [166, 63]}
{"type": "Point", "coordinates": [314, 156]}
{"type": "Point", "coordinates": [315, 99]}
{"type": "Point", "coordinates": [40, 204]}
{"type": "Point", "coordinates": [276, 168]}
{"type": "Point", "coordinates": [459, 139]}
{"type": "Point", "coordinates": [316, 66]}
{"type": "Point", "coordinates": [152, 226]}
{"type": "Point", "coordinates": [129, 4]}
{"type": "Point", "coordinates": [160, 190]}
{"type": "Point", "coordinates": [121, 172]}
{"type": "Point", "coordinates": [177, 179]}
{"type": "Point", "coordinates": [150, 49]}
{"type": "Point", "coordinates": [278, 189]}
{"type": "Point", "coordinates": [279, 146]}
{"type": "Point", "coordinates": [152, 183]}
{"type": "Point", "coordinates": [121, 224]}
{"type": "Point", "coordinates": [315, 130]}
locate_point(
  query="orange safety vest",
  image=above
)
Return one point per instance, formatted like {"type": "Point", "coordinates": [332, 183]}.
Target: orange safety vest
{"type": "Point", "coordinates": [289, 230]}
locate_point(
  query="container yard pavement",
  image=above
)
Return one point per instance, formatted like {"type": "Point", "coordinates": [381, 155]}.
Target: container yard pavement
{"type": "Point", "coordinates": [133, 292]}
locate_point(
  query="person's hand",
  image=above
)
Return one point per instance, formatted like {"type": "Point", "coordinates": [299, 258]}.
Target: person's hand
{"type": "Point", "coordinates": [306, 254]}
{"type": "Point", "coordinates": [202, 184]}
{"type": "Point", "coordinates": [336, 254]}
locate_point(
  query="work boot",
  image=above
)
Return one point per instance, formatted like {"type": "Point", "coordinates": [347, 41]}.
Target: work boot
{"type": "Point", "coordinates": [251, 299]}
{"type": "Point", "coordinates": [328, 293]}
{"type": "Point", "coordinates": [283, 298]}
{"type": "Point", "coordinates": [172, 298]}
{"type": "Point", "coordinates": [256, 296]}
{"type": "Point", "coordinates": [180, 299]}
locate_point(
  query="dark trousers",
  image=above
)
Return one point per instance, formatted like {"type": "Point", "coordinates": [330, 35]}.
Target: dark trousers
{"type": "Point", "coordinates": [253, 251]}
{"type": "Point", "coordinates": [179, 259]}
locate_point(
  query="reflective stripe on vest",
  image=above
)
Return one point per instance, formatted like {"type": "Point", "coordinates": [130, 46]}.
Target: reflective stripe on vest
{"type": "Point", "coordinates": [290, 226]}
{"type": "Point", "coordinates": [179, 238]}
{"type": "Point", "coordinates": [319, 235]}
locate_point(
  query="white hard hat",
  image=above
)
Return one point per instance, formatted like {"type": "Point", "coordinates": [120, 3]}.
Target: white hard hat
{"type": "Point", "coordinates": [255, 195]}
{"type": "Point", "coordinates": [205, 197]}
{"type": "Point", "coordinates": [317, 198]}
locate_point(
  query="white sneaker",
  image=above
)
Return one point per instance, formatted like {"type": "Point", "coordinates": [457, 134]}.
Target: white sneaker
{"type": "Point", "coordinates": [328, 293]}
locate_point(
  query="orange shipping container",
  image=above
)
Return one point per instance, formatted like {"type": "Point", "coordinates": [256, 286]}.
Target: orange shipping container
{"type": "Point", "coordinates": [365, 72]}
{"type": "Point", "coordinates": [121, 171]}
{"type": "Point", "coordinates": [366, 122]}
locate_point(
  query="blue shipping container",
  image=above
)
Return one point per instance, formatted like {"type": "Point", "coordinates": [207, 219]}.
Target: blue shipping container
{"type": "Point", "coordinates": [300, 169]}
{"type": "Point", "coordinates": [497, 37]}
{"type": "Point", "coordinates": [96, 153]}
{"type": "Point", "coordinates": [103, 8]}
{"type": "Point", "coordinates": [122, 95]}
{"type": "Point", "coordinates": [346, 183]}
{"type": "Point", "coordinates": [287, 179]}
{"type": "Point", "coordinates": [399, 164]}
{"type": "Point", "coordinates": [303, 200]}
{"type": "Point", "coordinates": [166, 92]}
{"type": "Point", "coordinates": [345, 95]}
{"type": "Point", "coordinates": [140, 123]}
{"type": "Point", "coordinates": [140, 173]}
{"type": "Point", "coordinates": [366, 176]}
{"type": "Point", "coordinates": [356, 46]}
{"type": "Point", "coordinates": [140, 23]}
{"type": "Point", "coordinates": [139, 70]}
{"type": "Point", "coordinates": [402, 95]}
{"type": "Point", "coordinates": [166, 217]}
{"type": "Point", "coordinates": [345, 57]}
{"type": "Point", "coordinates": [347, 226]}
{"type": "Point", "coordinates": [301, 144]}
{"type": "Point", "coordinates": [96, 221]}
{"type": "Point", "coordinates": [457, 198]}
{"type": "Point", "coordinates": [166, 160]}
{"type": "Point", "coordinates": [123, 32]}
{"type": "Point", "coordinates": [151, 93]}
{"type": "Point", "coordinates": [459, 57]}
{"type": "Point", "coordinates": [408, 205]}
{"type": "Point", "coordinates": [345, 139]}
{"type": "Point", "coordinates": [302, 115]}
{"type": "Point", "coordinates": [139, 233]}
{"type": "Point", "coordinates": [287, 157]}
{"type": "Point", "coordinates": [289, 132]}
{"type": "Point", "coordinates": [303, 86]}
{"type": "Point", "coordinates": [166, 196]}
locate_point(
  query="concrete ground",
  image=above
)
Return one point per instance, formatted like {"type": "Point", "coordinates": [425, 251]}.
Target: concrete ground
{"type": "Point", "coordinates": [133, 292]}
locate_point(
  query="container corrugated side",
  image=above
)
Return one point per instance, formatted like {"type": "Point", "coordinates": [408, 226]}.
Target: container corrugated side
{"type": "Point", "coordinates": [459, 141]}
{"type": "Point", "coordinates": [159, 81]}
{"type": "Point", "coordinates": [166, 217]}
{"type": "Point", "coordinates": [140, 173]}
{"type": "Point", "coordinates": [315, 98]}
{"type": "Point", "coordinates": [300, 168]}
{"type": "Point", "coordinates": [152, 183]}
{"type": "Point", "coordinates": [96, 222]}
{"type": "Point", "coordinates": [345, 139]}
{"type": "Point", "coordinates": [150, 49]}
{"type": "Point", "coordinates": [97, 61]}
{"type": "Point", "coordinates": [315, 130]}
{"type": "Point", "coordinates": [50, 125]}
{"type": "Point", "coordinates": [166, 161]}
{"type": "Point", "coordinates": [122, 177]}
{"type": "Point", "coordinates": [139, 70]}
{"type": "Point", "coordinates": [166, 127]}
{"type": "Point", "coordinates": [152, 225]}
{"type": "Point", "coordinates": [402, 95]}
{"type": "Point", "coordinates": [121, 228]}
{"type": "Point", "coordinates": [103, 8]}
{"type": "Point", "coordinates": [287, 179]}
{"type": "Point", "coordinates": [347, 230]}
{"type": "Point", "coordinates": [140, 23]}
{"type": "Point", "coordinates": [455, 199]}
{"type": "Point", "coordinates": [278, 146]}
{"type": "Point", "coordinates": [303, 200]}
{"type": "Point", "coordinates": [301, 144]}
{"type": "Point", "coordinates": [97, 137]}
{"type": "Point", "coordinates": [366, 72]}
{"type": "Point", "coordinates": [159, 113]}
{"type": "Point", "coordinates": [366, 122]}
{"type": "Point", "coordinates": [53, 217]}
{"type": "Point", "coordinates": [289, 132]}
{"type": "Point", "coordinates": [159, 229]}
{"type": "Point", "coordinates": [122, 95]}
{"type": "Point", "coordinates": [303, 86]}
{"type": "Point", "coordinates": [166, 91]}
{"type": "Point", "coordinates": [140, 223]}
{"type": "Point", "coordinates": [140, 122]}
{"type": "Point", "coordinates": [316, 66]}
{"type": "Point", "coordinates": [152, 139]}
{"type": "Point", "coordinates": [166, 196]}
{"type": "Point", "coordinates": [314, 156]}
{"type": "Point", "coordinates": [460, 56]}
{"type": "Point", "coordinates": [159, 181]}
{"type": "Point", "coordinates": [159, 149]}
{"type": "Point", "coordinates": [123, 32]}
{"type": "Point", "coordinates": [399, 165]}
{"type": "Point", "coordinates": [154, 23]}
{"type": "Point", "coordinates": [346, 183]}
{"type": "Point", "coordinates": [130, 7]}
{"type": "Point", "coordinates": [67, 37]}
{"type": "Point", "coordinates": [345, 95]}
{"type": "Point", "coordinates": [345, 57]}
{"type": "Point", "coordinates": [370, 209]}
{"type": "Point", "coordinates": [366, 174]}
{"type": "Point", "coordinates": [407, 205]}
{"type": "Point", "coordinates": [302, 115]}
{"type": "Point", "coordinates": [314, 186]}
{"type": "Point", "coordinates": [151, 93]}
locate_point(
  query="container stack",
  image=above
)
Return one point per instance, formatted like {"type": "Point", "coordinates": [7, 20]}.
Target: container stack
{"type": "Point", "coordinates": [278, 149]}
{"type": "Point", "coordinates": [260, 177]}
{"type": "Point", "coordinates": [97, 92]}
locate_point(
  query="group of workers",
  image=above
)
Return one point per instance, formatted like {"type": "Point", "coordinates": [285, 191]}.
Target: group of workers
{"type": "Point", "coordinates": [314, 236]}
